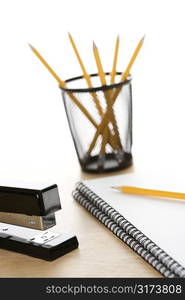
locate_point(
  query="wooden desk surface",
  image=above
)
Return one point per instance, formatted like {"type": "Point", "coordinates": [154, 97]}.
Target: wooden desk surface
{"type": "Point", "coordinates": [100, 253]}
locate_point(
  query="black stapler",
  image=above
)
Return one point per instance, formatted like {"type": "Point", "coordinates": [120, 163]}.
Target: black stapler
{"type": "Point", "coordinates": [27, 211]}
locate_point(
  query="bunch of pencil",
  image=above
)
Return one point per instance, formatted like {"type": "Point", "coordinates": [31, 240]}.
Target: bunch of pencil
{"type": "Point", "coordinates": [107, 128]}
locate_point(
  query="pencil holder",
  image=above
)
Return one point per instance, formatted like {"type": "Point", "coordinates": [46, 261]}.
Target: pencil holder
{"type": "Point", "coordinates": [100, 121]}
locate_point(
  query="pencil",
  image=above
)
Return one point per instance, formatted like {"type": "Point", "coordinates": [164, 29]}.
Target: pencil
{"type": "Point", "coordinates": [107, 94]}
{"type": "Point", "coordinates": [113, 98]}
{"type": "Point", "coordinates": [149, 192]}
{"type": "Point", "coordinates": [60, 81]}
{"type": "Point", "coordinates": [89, 83]}
{"type": "Point", "coordinates": [63, 84]}
{"type": "Point", "coordinates": [86, 75]}
{"type": "Point", "coordinates": [132, 60]}
{"type": "Point", "coordinates": [113, 72]}
{"type": "Point", "coordinates": [103, 82]}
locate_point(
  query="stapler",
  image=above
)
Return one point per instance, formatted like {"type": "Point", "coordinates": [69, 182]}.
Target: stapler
{"type": "Point", "coordinates": [27, 211]}
{"type": "Point", "coordinates": [30, 205]}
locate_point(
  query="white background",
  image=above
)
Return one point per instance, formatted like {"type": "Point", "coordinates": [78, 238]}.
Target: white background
{"type": "Point", "coordinates": [33, 126]}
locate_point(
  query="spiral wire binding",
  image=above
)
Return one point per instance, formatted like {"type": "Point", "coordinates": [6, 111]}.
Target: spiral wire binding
{"type": "Point", "coordinates": [122, 235]}
{"type": "Point", "coordinates": [129, 229]}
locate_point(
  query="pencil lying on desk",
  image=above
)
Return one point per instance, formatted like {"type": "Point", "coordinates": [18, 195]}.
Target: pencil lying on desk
{"type": "Point", "coordinates": [149, 192]}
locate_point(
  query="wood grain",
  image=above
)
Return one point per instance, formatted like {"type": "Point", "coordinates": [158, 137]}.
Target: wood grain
{"type": "Point", "coordinates": [100, 253]}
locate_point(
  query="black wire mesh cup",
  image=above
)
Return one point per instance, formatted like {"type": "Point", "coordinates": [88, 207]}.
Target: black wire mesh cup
{"type": "Point", "coordinates": [100, 121]}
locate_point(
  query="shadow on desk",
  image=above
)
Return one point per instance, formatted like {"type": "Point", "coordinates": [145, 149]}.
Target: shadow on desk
{"type": "Point", "coordinates": [84, 176]}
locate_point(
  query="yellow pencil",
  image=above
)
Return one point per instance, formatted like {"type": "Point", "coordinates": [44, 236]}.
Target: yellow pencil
{"type": "Point", "coordinates": [113, 98]}
{"type": "Point", "coordinates": [132, 60]}
{"type": "Point", "coordinates": [99, 65]}
{"type": "Point", "coordinates": [113, 73]}
{"type": "Point", "coordinates": [89, 83]}
{"type": "Point", "coordinates": [149, 192]}
{"type": "Point", "coordinates": [85, 74]}
{"type": "Point", "coordinates": [60, 81]}
{"type": "Point", "coordinates": [62, 84]}
{"type": "Point", "coordinates": [107, 94]}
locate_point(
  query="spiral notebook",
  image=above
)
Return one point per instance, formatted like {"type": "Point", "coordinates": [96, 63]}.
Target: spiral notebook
{"type": "Point", "coordinates": [153, 227]}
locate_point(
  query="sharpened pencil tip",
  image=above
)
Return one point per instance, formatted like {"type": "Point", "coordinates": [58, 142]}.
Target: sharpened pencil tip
{"type": "Point", "coordinates": [69, 35]}
{"type": "Point", "coordinates": [142, 40]}
{"type": "Point", "coordinates": [114, 187]}
{"type": "Point", "coordinates": [30, 46]}
{"type": "Point", "coordinates": [118, 37]}
{"type": "Point", "coordinates": [94, 45]}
